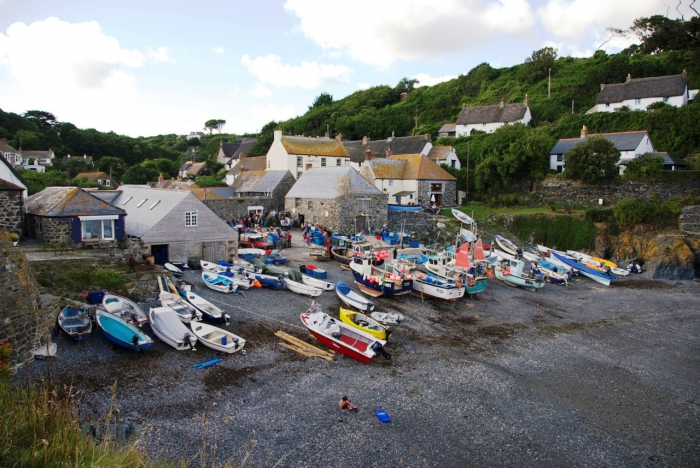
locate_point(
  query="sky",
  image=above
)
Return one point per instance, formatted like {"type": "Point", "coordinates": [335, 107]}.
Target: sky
{"type": "Point", "coordinates": [149, 67]}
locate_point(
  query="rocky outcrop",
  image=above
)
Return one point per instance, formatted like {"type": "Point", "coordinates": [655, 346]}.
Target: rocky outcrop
{"type": "Point", "coordinates": [666, 256]}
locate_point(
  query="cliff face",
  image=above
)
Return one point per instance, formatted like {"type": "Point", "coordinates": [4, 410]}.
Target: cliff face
{"type": "Point", "coordinates": [23, 319]}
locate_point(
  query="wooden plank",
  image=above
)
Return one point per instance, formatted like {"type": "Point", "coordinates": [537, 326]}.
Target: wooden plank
{"type": "Point", "coordinates": [305, 353]}
{"type": "Point", "coordinates": [296, 341]}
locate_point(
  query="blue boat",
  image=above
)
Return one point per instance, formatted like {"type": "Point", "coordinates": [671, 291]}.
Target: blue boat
{"type": "Point", "coordinates": [394, 207]}
{"type": "Point", "coordinates": [121, 333]}
{"type": "Point", "coordinates": [374, 279]}
{"type": "Point", "coordinates": [595, 275]}
{"type": "Point", "coordinates": [75, 323]}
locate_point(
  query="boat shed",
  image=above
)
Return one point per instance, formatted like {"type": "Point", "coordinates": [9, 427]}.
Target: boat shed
{"type": "Point", "coordinates": [173, 225]}
{"type": "Point", "coordinates": [73, 215]}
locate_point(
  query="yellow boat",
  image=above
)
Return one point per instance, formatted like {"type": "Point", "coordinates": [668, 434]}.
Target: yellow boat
{"type": "Point", "coordinates": [364, 323]}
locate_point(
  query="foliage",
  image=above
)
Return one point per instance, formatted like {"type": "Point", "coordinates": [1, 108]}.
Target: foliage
{"type": "Point", "coordinates": [193, 142]}
{"type": "Point", "coordinates": [38, 181]}
{"type": "Point", "coordinates": [662, 34]}
{"type": "Point", "coordinates": [646, 166]}
{"type": "Point", "coordinates": [214, 124]}
{"type": "Point", "coordinates": [592, 161]}
{"type": "Point", "coordinates": [633, 211]}
{"type": "Point", "coordinates": [112, 166]}
{"type": "Point", "coordinates": [81, 276]}
{"type": "Point", "coordinates": [83, 182]}
{"type": "Point", "coordinates": [140, 175]}
{"type": "Point", "coordinates": [538, 65]}
{"type": "Point", "coordinates": [600, 215]}
{"type": "Point", "coordinates": [5, 369]}
{"type": "Point", "coordinates": [210, 181]}
{"type": "Point", "coordinates": [322, 99]}
{"type": "Point", "coordinates": [43, 120]}
{"type": "Point", "coordinates": [561, 232]}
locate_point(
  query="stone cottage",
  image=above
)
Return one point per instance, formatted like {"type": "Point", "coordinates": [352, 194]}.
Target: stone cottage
{"type": "Point", "coordinates": [337, 198]}
{"type": "Point", "coordinates": [73, 215]}
{"type": "Point", "coordinates": [13, 190]}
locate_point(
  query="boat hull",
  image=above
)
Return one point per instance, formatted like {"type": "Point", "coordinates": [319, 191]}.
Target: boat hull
{"type": "Point", "coordinates": [351, 298]}
{"type": "Point", "coordinates": [74, 323]}
{"type": "Point", "coordinates": [599, 277]}
{"type": "Point", "coordinates": [525, 283]}
{"type": "Point", "coordinates": [439, 291]}
{"type": "Point", "coordinates": [385, 287]}
{"type": "Point", "coordinates": [301, 288]}
{"type": "Point", "coordinates": [404, 207]}
{"type": "Point", "coordinates": [363, 322]}
{"type": "Point", "coordinates": [116, 330]}
{"type": "Point", "coordinates": [334, 345]}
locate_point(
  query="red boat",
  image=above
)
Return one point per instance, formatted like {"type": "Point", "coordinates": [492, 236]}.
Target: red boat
{"type": "Point", "coordinates": [338, 336]}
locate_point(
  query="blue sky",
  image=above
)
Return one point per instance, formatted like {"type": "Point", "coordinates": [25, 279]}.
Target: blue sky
{"type": "Point", "coordinates": [154, 67]}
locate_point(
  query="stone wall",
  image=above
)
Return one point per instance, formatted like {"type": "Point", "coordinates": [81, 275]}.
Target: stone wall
{"type": "Point", "coordinates": [419, 225]}
{"type": "Point", "coordinates": [552, 190]}
{"type": "Point", "coordinates": [11, 211]}
{"type": "Point", "coordinates": [23, 319]}
{"type": "Point", "coordinates": [689, 220]}
{"type": "Point", "coordinates": [53, 230]}
{"type": "Point", "coordinates": [449, 195]}
{"type": "Point", "coordinates": [338, 214]}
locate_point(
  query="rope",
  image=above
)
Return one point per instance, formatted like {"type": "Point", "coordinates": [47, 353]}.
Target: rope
{"type": "Point", "coordinates": [255, 313]}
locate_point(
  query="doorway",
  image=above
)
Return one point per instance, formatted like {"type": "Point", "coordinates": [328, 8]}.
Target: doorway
{"type": "Point", "coordinates": [160, 254]}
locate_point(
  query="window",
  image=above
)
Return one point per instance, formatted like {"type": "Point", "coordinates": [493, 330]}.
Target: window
{"type": "Point", "coordinates": [410, 197]}
{"type": "Point", "coordinates": [190, 218]}
{"type": "Point", "coordinates": [323, 162]}
{"type": "Point", "coordinates": [126, 201]}
{"type": "Point", "coordinates": [268, 164]}
{"type": "Point", "coordinates": [142, 202]}
{"type": "Point", "coordinates": [300, 161]}
{"type": "Point", "coordinates": [607, 104]}
{"type": "Point", "coordinates": [297, 202]}
{"type": "Point", "coordinates": [98, 228]}
{"type": "Point", "coordinates": [560, 157]}
{"type": "Point", "coordinates": [436, 187]}
{"type": "Point", "coordinates": [391, 182]}
{"type": "Point", "coordinates": [153, 205]}
{"type": "Point", "coordinates": [310, 205]}
{"type": "Point", "coordinates": [637, 101]}
{"type": "Point", "coordinates": [338, 162]}
{"type": "Point", "coordinates": [453, 163]}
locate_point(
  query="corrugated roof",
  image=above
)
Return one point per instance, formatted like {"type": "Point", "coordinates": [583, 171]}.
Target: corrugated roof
{"type": "Point", "coordinates": [492, 114]}
{"type": "Point", "coordinates": [313, 146]}
{"type": "Point", "coordinates": [395, 145]}
{"type": "Point", "coordinates": [623, 141]}
{"type": "Point", "coordinates": [408, 167]}
{"type": "Point", "coordinates": [439, 153]}
{"type": "Point", "coordinates": [331, 182]}
{"type": "Point", "coordinates": [140, 219]}
{"type": "Point", "coordinates": [69, 201]}
{"type": "Point", "coordinates": [639, 88]}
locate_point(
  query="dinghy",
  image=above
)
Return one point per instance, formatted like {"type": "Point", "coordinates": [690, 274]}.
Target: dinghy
{"type": "Point", "coordinates": [173, 270]}
{"type": "Point", "coordinates": [301, 288]}
{"type": "Point", "coordinates": [317, 283]}
{"type": "Point", "coordinates": [167, 326]}
{"type": "Point", "coordinates": [209, 311]}
{"type": "Point", "coordinates": [121, 333]}
{"type": "Point", "coordinates": [462, 217]}
{"type": "Point", "coordinates": [340, 337]}
{"type": "Point", "coordinates": [74, 322]}
{"type": "Point", "coordinates": [387, 318]}
{"type": "Point", "coordinates": [595, 275]}
{"type": "Point", "coordinates": [352, 298]}
{"type": "Point", "coordinates": [124, 308]}
{"type": "Point", "coordinates": [240, 263]}
{"type": "Point", "coordinates": [440, 288]}
{"type": "Point", "coordinates": [511, 272]}
{"type": "Point", "coordinates": [183, 287]}
{"type": "Point", "coordinates": [218, 283]}
{"type": "Point", "coordinates": [180, 306]}
{"type": "Point", "coordinates": [364, 323]}
{"type": "Point", "coordinates": [507, 245]}
{"type": "Point", "coordinates": [582, 256]}
{"type": "Point", "coordinates": [216, 338]}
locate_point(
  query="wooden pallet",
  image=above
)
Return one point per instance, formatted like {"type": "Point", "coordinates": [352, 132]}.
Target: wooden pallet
{"type": "Point", "coordinates": [303, 348]}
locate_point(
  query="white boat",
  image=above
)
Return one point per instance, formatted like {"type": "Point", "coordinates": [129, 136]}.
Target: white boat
{"type": "Point", "coordinates": [252, 251]}
{"type": "Point", "coordinates": [463, 218]}
{"type": "Point", "coordinates": [598, 263]}
{"type": "Point", "coordinates": [440, 288]}
{"type": "Point", "coordinates": [352, 298]}
{"type": "Point", "coordinates": [208, 310]}
{"type": "Point", "coordinates": [167, 326]}
{"type": "Point", "coordinates": [217, 338]}
{"type": "Point", "coordinates": [125, 308]}
{"type": "Point", "coordinates": [212, 267]}
{"type": "Point", "coordinates": [511, 272]}
{"type": "Point", "coordinates": [317, 283]}
{"type": "Point", "coordinates": [173, 270]}
{"type": "Point", "coordinates": [301, 288]}
{"type": "Point", "coordinates": [507, 245]}
{"type": "Point", "coordinates": [387, 318]}
{"type": "Point", "coordinates": [174, 301]}
{"type": "Point", "coordinates": [218, 283]}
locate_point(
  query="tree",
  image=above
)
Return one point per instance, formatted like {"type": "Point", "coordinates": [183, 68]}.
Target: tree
{"type": "Point", "coordinates": [140, 175]}
{"type": "Point", "coordinates": [661, 34]}
{"type": "Point", "coordinates": [75, 166]}
{"type": "Point", "coordinates": [592, 161]}
{"type": "Point", "coordinates": [322, 99]}
{"type": "Point", "coordinates": [194, 142]}
{"type": "Point", "coordinates": [43, 120]}
{"type": "Point", "coordinates": [644, 167]}
{"type": "Point", "coordinates": [538, 65]}
{"type": "Point", "coordinates": [112, 166]}
{"type": "Point", "coordinates": [214, 124]}
{"type": "Point", "coordinates": [406, 85]}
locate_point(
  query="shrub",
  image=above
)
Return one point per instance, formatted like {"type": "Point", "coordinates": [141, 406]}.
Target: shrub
{"type": "Point", "coordinates": [645, 166]}
{"type": "Point", "coordinates": [598, 215]}
{"type": "Point", "coordinates": [592, 161]}
{"type": "Point", "coordinates": [562, 232]}
{"type": "Point", "coordinates": [637, 211]}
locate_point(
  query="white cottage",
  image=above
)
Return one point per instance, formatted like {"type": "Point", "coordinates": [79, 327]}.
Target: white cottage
{"type": "Point", "coordinates": [488, 118]}
{"type": "Point", "coordinates": [639, 93]}
{"type": "Point", "coordinates": [297, 154]}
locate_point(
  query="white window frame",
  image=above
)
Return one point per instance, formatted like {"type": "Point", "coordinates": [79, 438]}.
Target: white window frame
{"type": "Point", "coordinates": [101, 235]}
{"type": "Point", "coordinates": [300, 161]}
{"type": "Point", "coordinates": [323, 162]}
{"type": "Point", "coordinates": [191, 219]}
{"type": "Point", "coordinates": [338, 162]}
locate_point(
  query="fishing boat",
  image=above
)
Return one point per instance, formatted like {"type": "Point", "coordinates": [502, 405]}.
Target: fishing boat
{"type": "Point", "coordinates": [594, 274]}
{"type": "Point", "coordinates": [440, 288]}
{"type": "Point", "coordinates": [240, 263]}
{"type": "Point", "coordinates": [352, 298]}
{"type": "Point", "coordinates": [346, 250]}
{"type": "Point", "coordinates": [343, 338]}
{"type": "Point", "coordinates": [317, 283]}
{"type": "Point", "coordinates": [216, 338]}
{"type": "Point", "coordinates": [301, 288]}
{"type": "Point", "coordinates": [365, 323]}
{"type": "Point", "coordinates": [209, 311]}
{"type": "Point", "coordinates": [548, 276]}
{"type": "Point", "coordinates": [183, 287]}
{"type": "Point", "coordinates": [75, 322]}
{"type": "Point", "coordinates": [121, 333]}
{"type": "Point", "coordinates": [218, 283]}
{"type": "Point", "coordinates": [265, 281]}
{"type": "Point", "coordinates": [180, 306]}
{"type": "Point", "coordinates": [173, 270]}
{"type": "Point", "coordinates": [238, 277]}
{"type": "Point", "coordinates": [506, 245]}
{"type": "Point", "coordinates": [387, 318]}
{"type": "Point", "coordinates": [374, 279]}
{"type": "Point", "coordinates": [167, 326]}
{"type": "Point", "coordinates": [125, 308]}
{"type": "Point", "coordinates": [510, 271]}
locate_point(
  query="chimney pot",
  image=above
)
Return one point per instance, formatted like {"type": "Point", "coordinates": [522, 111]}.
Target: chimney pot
{"type": "Point", "coordinates": [160, 177]}
{"type": "Point", "coordinates": [368, 154]}
{"type": "Point", "coordinates": [339, 137]}
{"type": "Point", "coordinates": [365, 140]}
{"type": "Point", "coordinates": [428, 137]}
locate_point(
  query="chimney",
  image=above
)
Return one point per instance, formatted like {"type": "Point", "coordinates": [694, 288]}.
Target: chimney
{"type": "Point", "coordinates": [221, 143]}
{"type": "Point", "coordinates": [339, 137]}
{"type": "Point", "coordinates": [502, 104]}
{"type": "Point", "coordinates": [428, 137]}
{"type": "Point", "coordinates": [365, 140]}
{"type": "Point", "coordinates": [527, 101]}
{"type": "Point", "coordinates": [602, 86]}
{"type": "Point", "coordinates": [584, 132]}
{"type": "Point", "coordinates": [368, 154]}
{"type": "Point", "coordinates": [160, 177]}
{"type": "Point", "coordinates": [278, 135]}
{"type": "Point", "coordinates": [629, 77]}
{"type": "Point", "coordinates": [241, 157]}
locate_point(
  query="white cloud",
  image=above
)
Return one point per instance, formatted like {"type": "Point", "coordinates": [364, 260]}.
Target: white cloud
{"type": "Point", "coordinates": [426, 80]}
{"type": "Point", "coordinates": [159, 55]}
{"type": "Point", "coordinates": [262, 115]}
{"type": "Point", "coordinates": [218, 50]}
{"type": "Point", "coordinates": [363, 86]}
{"type": "Point", "coordinates": [409, 29]}
{"type": "Point", "coordinates": [259, 91]}
{"type": "Point", "coordinates": [270, 70]}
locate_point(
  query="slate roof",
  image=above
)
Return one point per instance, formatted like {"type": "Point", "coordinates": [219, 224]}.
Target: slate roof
{"type": "Point", "coordinates": [439, 153]}
{"type": "Point", "coordinates": [623, 141]}
{"type": "Point", "coordinates": [313, 146]}
{"type": "Point", "coordinates": [397, 145]}
{"type": "Point", "coordinates": [37, 154]}
{"type": "Point", "coordinates": [448, 128]}
{"type": "Point", "coordinates": [212, 193]}
{"type": "Point", "coordinates": [408, 167]}
{"type": "Point", "coordinates": [491, 114]}
{"type": "Point", "coordinates": [331, 182]}
{"type": "Point", "coordinates": [5, 147]}
{"type": "Point", "coordinates": [9, 186]}
{"type": "Point", "coordinates": [16, 178]}
{"type": "Point", "coordinates": [639, 88]}
{"type": "Point", "coordinates": [258, 181]}
{"type": "Point", "coordinates": [668, 159]}
{"type": "Point", "coordinates": [69, 201]}
{"type": "Point", "coordinates": [141, 219]}
{"type": "Point", "coordinates": [244, 147]}
{"type": "Point", "coordinates": [230, 148]}
{"type": "Point", "coordinates": [173, 184]}
{"type": "Point", "coordinates": [253, 163]}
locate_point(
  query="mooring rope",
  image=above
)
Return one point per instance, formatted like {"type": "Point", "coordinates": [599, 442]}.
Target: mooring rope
{"type": "Point", "coordinates": [255, 313]}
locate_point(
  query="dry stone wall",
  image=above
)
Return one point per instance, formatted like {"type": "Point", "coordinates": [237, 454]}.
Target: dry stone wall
{"type": "Point", "coordinates": [11, 211]}
{"type": "Point", "coordinates": [419, 225]}
{"type": "Point", "coordinates": [689, 220]}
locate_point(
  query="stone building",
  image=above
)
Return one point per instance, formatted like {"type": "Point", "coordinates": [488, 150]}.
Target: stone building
{"type": "Point", "coordinates": [269, 186]}
{"type": "Point", "coordinates": [11, 207]}
{"type": "Point", "coordinates": [72, 215]}
{"type": "Point", "coordinates": [337, 198]}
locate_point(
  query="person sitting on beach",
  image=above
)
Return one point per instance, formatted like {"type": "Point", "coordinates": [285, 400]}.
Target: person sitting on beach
{"type": "Point", "coordinates": [346, 403]}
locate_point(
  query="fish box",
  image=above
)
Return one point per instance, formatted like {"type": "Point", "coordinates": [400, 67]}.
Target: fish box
{"type": "Point", "coordinates": [319, 273]}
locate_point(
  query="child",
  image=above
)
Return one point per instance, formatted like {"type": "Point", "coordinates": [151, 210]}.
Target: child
{"type": "Point", "coordinates": [346, 403]}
